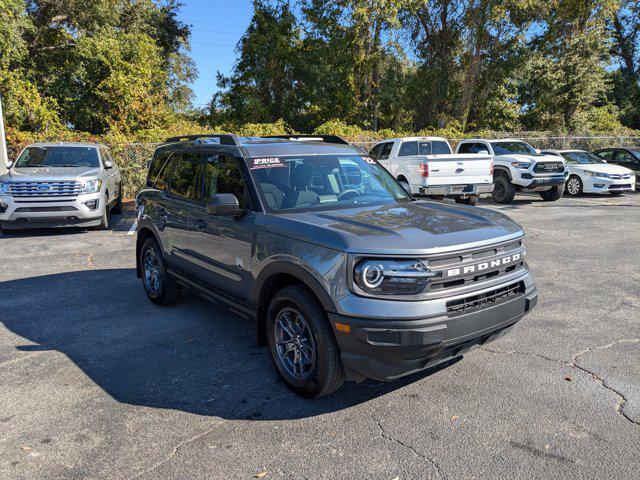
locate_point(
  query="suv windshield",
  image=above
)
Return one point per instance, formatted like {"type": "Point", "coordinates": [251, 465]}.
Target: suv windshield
{"type": "Point", "coordinates": [323, 181]}
{"type": "Point", "coordinates": [581, 157]}
{"type": "Point", "coordinates": [510, 148]}
{"type": "Point", "coordinates": [58, 157]}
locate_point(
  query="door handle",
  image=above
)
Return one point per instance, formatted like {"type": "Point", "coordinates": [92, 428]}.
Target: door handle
{"type": "Point", "coordinates": [201, 224]}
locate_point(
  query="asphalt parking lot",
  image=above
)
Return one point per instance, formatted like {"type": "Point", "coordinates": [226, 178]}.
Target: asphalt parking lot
{"type": "Point", "coordinates": [96, 382]}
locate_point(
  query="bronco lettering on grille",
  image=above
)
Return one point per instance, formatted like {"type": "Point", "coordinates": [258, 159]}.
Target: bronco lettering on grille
{"type": "Point", "coordinates": [482, 266]}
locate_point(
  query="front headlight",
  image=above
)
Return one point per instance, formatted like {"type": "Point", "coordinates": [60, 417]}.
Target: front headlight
{"type": "Point", "coordinates": [391, 277]}
{"type": "Point", "coordinates": [5, 189]}
{"type": "Point", "coordinates": [92, 186]}
{"type": "Point", "coordinates": [524, 165]}
{"type": "Point", "coordinates": [596, 174]}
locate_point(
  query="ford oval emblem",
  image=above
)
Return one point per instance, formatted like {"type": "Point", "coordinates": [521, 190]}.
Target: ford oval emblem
{"type": "Point", "coordinates": [44, 187]}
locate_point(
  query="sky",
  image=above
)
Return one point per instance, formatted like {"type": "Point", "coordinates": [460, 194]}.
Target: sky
{"type": "Point", "coordinates": [216, 27]}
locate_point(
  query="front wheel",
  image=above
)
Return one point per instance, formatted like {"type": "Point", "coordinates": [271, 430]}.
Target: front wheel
{"type": "Point", "coordinates": [160, 289]}
{"type": "Point", "coordinates": [117, 207]}
{"type": "Point", "coordinates": [302, 344]}
{"type": "Point", "coordinates": [503, 190]}
{"type": "Point", "coordinates": [472, 200]}
{"type": "Point", "coordinates": [573, 186]}
{"type": "Point", "coordinates": [553, 194]}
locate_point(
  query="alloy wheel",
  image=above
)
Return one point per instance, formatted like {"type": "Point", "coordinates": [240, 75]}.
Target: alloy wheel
{"type": "Point", "coordinates": [295, 344]}
{"type": "Point", "coordinates": [151, 268]}
{"type": "Point", "coordinates": [573, 186]}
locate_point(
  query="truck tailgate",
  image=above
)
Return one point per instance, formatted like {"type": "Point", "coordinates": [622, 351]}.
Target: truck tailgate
{"type": "Point", "coordinates": [462, 168]}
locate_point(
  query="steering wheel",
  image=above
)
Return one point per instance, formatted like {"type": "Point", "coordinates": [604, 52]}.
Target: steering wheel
{"type": "Point", "coordinates": [347, 194]}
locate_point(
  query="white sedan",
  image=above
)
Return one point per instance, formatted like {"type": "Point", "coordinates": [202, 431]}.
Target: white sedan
{"type": "Point", "coordinates": [590, 174]}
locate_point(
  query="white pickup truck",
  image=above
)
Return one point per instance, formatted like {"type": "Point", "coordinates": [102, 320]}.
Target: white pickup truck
{"type": "Point", "coordinates": [427, 166]}
{"type": "Point", "coordinates": [520, 167]}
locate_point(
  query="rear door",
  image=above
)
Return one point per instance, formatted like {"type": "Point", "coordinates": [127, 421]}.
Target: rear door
{"type": "Point", "coordinates": [445, 168]}
{"type": "Point", "coordinates": [221, 245]}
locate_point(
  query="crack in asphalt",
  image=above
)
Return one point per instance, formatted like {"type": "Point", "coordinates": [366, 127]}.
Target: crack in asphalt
{"type": "Point", "coordinates": [412, 449]}
{"type": "Point", "coordinates": [175, 450]}
{"type": "Point", "coordinates": [573, 364]}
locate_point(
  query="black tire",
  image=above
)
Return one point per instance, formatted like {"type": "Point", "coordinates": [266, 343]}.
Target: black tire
{"type": "Point", "coordinates": [324, 374]}
{"type": "Point", "coordinates": [503, 189]}
{"type": "Point", "coordinates": [117, 206]}
{"type": "Point", "coordinates": [472, 200]}
{"type": "Point", "coordinates": [167, 292]}
{"type": "Point", "coordinates": [104, 220]}
{"type": "Point", "coordinates": [616, 194]}
{"type": "Point", "coordinates": [573, 187]}
{"type": "Point", "coordinates": [407, 188]}
{"type": "Point", "coordinates": [553, 194]}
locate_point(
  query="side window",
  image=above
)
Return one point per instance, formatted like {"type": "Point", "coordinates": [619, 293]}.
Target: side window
{"type": "Point", "coordinates": [158, 170]}
{"type": "Point", "coordinates": [624, 157]}
{"type": "Point", "coordinates": [386, 150]}
{"type": "Point", "coordinates": [408, 148]}
{"type": "Point", "coordinates": [184, 179]}
{"type": "Point", "coordinates": [438, 147]}
{"type": "Point", "coordinates": [472, 148]}
{"type": "Point", "coordinates": [222, 174]}
{"type": "Point", "coordinates": [375, 151]}
{"type": "Point", "coordinates": [606, 155]}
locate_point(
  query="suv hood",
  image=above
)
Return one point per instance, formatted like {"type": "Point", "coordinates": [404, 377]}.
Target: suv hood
{"type": "Point", "coordinates": [49, 173]}
{"type": "Point", "coordinates": [416, 228]}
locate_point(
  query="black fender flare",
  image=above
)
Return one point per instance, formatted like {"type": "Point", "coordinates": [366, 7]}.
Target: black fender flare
{"type": "Point", "coordinates": [296, 271]}
{"type": "Point", "coordinates": [497, 170]}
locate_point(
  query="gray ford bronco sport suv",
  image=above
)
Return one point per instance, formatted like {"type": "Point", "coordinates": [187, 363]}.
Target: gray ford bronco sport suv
{"type": "Point", "coordinates": [345, 275]}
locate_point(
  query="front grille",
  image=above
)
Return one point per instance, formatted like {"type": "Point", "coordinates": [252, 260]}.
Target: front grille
{"type": "Point", "coordinates": [45, 209]}
{"type": "Point", "coordinates": [549, 167]}
{"type": "Point", "coordinates": [485, 256]}
{"type": "Point", "coordinates": [484, 300]}
{"type": "Point", "coordinates": [58, 188]}
{"type": "Point", "coordinates": [620, 176]}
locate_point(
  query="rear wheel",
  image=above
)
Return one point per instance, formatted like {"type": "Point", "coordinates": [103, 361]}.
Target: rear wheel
{"type": "Point", "coordinates": [553, 194]}
{"type": "Point", "coordinates": [302, 344]}
{"type": "Point", "coordinates": [574, 186]}
{"type": "Point", "coordinates": [471, 200]}
{"type": "Point", "coordinates": [117, 207]}
{"type": "Point", "coordinates": [160, 289]}
{"type": "Point", "coordinates": [503, 190]}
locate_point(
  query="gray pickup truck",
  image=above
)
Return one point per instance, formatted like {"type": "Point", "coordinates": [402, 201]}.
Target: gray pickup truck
{"type": "Point", "coordinates": [344, 273]}
{"type": "Point", "coordinates": [58, 185]}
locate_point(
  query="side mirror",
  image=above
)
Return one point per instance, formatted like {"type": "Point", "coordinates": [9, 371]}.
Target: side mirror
{"type": "Point", "coordinates": [9, 164]}
{"type": "Point", "coordinates": [538, 151]}
{"type": "Point", "coordinates": [223, 204]}
{"type": "Point", "coordinates": [483, 152]}
{"type": "Point", "coordinates": [108, 164]}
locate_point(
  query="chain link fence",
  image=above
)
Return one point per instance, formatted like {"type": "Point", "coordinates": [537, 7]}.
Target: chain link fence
{"type": "Point", "coordinates": [133, 158]}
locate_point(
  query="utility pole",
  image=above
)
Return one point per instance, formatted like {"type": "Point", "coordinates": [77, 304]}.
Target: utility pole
{"type": "Point", "coordinates": [4, 159]}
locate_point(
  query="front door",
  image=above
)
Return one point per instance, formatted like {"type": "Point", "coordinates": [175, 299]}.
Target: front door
{"type": "Point", "coordinates": [221, 245]}
{"type": "Point", "coordinates": [175, 210]}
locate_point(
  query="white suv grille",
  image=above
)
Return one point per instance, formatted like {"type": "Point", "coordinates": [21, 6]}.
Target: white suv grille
{"type": "Point", "coordinates": [58, 188]}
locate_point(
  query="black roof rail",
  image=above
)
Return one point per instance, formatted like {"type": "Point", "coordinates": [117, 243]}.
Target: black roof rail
{"type": "Point", "coordinates": [311, 138]}
{"type": "Point", "coordinates": [225, 139]}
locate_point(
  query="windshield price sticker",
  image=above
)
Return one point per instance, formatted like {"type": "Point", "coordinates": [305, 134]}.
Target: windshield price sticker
{"type": "Point", "coordinates": [267, 162]}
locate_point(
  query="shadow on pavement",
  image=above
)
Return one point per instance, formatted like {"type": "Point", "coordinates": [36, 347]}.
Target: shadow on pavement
{"type": "Point", "coordinates": [194, 356]}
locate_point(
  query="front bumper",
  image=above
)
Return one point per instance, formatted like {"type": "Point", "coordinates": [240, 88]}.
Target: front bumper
{"type": "Point", "coordinates": [607, 185]}
{"type": "Point", "coordinates": [534, 181]}
{"type": "Point", "coordinates": [386, 349]}
{"type": "Point", "coordinates": [455, 190]}
{"type": "Point", "coordinates": [27, 212]}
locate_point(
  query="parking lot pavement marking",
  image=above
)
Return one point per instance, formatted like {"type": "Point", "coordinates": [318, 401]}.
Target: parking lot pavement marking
{"type": "Point", "coordinates": [132, 230]}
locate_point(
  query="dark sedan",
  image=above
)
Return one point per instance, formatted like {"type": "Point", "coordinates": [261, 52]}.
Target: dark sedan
{"type": "Point", "coordinates": [624, 156]}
